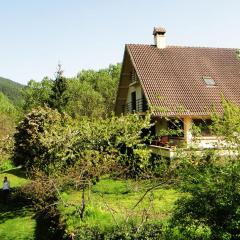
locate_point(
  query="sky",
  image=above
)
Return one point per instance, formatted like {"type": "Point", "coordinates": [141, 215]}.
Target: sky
{"type": "Point", "coordinates": [36, 35]}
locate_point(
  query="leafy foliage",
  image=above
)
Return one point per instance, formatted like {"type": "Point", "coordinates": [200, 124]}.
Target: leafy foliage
{"type": "Point", "coordinates": [91, 94]}
{"type": "Point", "coordinates": [28, 147]}
{"type": "Point", "coordinates": [84, 100]}
{"type": "Point", "coordinates": [212, 209]}
{"type": "Point", "coordinates": [42, 191]}
{"type": "Point", "coordinates": [47, 140]}
{"type": "Point", "coordinates": [123, 232]}
{"type": "Point", "coordinates": [36, 93]}
{"type": "Point", "coordinates": [7, 107]}
{"type": "Point", "coordinates": [238, 54]}
{"type": "Point", "coordinates": [105, 82]}
{"type": "Point", "coordinates": [227, 126]}
{"type": "Point", "coordinates": [9, 115]}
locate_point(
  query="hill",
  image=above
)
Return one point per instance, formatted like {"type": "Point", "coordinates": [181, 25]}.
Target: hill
{"type": "Point", "coordinates": [11, 89]}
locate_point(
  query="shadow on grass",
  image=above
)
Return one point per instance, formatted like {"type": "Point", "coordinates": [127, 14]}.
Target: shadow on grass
{"type": "Point", "coordinates": [49, 227]}
{"type": "Point", "coordinates": [18, 172]}
{"type": "Point", "coordinates": [19, 206]}
{"type": "Point", "coordinates": [15, 207]}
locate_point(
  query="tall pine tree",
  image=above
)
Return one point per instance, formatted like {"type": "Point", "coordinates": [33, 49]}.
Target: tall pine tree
{"type": "Point", "coordinates": [59, 98]}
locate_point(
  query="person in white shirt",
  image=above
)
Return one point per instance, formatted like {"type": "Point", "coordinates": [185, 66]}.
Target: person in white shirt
{"type": "Point", "coordinates": [6, 189]}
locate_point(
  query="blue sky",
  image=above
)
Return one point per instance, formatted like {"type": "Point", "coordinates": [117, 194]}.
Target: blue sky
{"type": "Point", "coordinates": [90, 34]}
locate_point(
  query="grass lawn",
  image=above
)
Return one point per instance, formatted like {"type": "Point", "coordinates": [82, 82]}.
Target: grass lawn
{"type": "Point", "coordinates": [111, 202]}
{"type": "Point", "coordinates": [16, 177]}
{"type": "Point", "coordinates": [16, 223]}
{"type": "Point", "coordinates": [16, 220]}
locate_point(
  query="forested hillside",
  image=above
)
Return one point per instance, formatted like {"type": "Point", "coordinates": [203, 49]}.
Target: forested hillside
{"type": "Point", "coordinates": [11, 89]}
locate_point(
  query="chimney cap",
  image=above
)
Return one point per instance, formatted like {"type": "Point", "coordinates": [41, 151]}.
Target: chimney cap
{"type": "Point", "coordinates": [159, 30]}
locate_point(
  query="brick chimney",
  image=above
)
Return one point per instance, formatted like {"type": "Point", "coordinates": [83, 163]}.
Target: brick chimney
{"type": "Point", "coordinates": [159, 37]}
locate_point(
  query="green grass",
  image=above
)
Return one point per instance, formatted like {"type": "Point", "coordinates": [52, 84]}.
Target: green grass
{"type": "Point", "coordinates": [16, 223]}
{"type": "Point", "coordinates": [16, 220]}
{"type": "Point", "coordinates": [111, 202]}
{"type": "Point", "coordinates": [16, 177]}
{"type": "Point", "coordinates": [5, 165]}
{"type": "Point", "coordinates": [18, 228]}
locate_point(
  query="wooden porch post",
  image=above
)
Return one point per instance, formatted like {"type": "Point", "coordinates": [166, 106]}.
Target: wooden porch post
{"type": "Point", "coordinates": [187, 129]}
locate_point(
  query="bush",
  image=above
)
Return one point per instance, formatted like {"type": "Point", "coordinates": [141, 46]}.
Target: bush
{"type": "Point", "coordinates": [42, 191]}
{"type": "Point", "coordinates": [148, 231]}
{"type": "Point", "coordinates": [29, 148]}
{"type": "Point", "coordinates": [51, 142]}
{"type": "Point", "coordinates": [212, 210]}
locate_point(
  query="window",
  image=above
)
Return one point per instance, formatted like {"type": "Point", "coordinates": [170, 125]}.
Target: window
{"type": "Point", "coordinates": [209, 81]}
{"type": "Point", "coordinates": [133, 101]}
{"type": "Point", "coordinates": [134, 77]}
{"type": "Point", "coordinates": [203, 126]}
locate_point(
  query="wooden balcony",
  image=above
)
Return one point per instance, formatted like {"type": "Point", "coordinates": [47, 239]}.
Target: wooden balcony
{"type": "Point", "coordinates": [140, 106]}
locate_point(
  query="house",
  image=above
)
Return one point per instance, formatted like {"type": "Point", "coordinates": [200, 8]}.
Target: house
{"type": "Point", "coordinates": [179, 83]}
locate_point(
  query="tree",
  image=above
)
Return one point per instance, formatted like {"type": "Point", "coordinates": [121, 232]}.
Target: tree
{"type": "Point", "coordinates": [105, 82]}
{"type": "Point", "coordinates": [28, 147]}
{"type": "Point", "coordinates": [50, 141]}
{"type": "Point", "coordinates": [58, 99]}
{"type": "Point", "coordinates": [212, 208]}
{"type": "Point", "coordinates": [37, 93]}
{"type": "Point", "coordinates": [9, 115]}
{"type": "Point", "coordinates": [84, 100]}
{"type": "Point", "coordinates": [92, 93]}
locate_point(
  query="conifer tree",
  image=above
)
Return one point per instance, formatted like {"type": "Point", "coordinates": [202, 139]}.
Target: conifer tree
{"type": "Point", "coordinates": [58, 99]}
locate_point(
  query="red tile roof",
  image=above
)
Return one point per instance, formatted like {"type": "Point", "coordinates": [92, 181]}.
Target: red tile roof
{"type": "Point", "coordinates": [172, 78]}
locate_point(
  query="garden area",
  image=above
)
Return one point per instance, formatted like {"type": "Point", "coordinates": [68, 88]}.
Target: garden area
{"type": "Point", "coordinates": [109, 202]}
{"type": "Point", "coordinates": [79, 174]}
{"type": "Point", "coordinates": [17, 218]}
{"type": "Point", "coordinates": [116, 202]}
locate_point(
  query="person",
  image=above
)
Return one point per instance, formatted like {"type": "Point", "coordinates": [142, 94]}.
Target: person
{"type": "Point", "coordinates": [6, 189]}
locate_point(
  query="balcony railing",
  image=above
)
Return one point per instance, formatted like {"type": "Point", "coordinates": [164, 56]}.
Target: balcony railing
{"type": "Point", "coordinates": [168, 141]}
{"type": "Point", "coordinates": [140, 105]}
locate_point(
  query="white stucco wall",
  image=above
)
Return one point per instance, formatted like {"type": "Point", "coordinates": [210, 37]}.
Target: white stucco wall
{"type": "Point", "coordinates": [134, 88]}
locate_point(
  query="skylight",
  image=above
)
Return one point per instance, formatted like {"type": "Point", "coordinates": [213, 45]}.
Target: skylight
{"type": "Point", "coordinates": [209, 81]}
